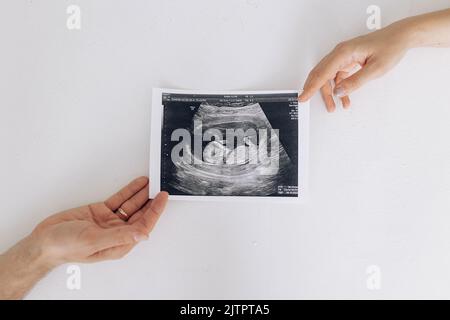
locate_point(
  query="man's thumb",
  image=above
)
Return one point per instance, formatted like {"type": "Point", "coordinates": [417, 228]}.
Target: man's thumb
{"type": "Point", "coordinates": [118, 236]}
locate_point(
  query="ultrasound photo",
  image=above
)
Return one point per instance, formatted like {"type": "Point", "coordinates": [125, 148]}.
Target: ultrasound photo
{"type": "Point", "coordinates": [227, 145]}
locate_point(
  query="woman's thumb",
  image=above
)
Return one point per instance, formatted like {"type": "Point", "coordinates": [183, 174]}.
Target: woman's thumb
{"type": "Point", "coordinates": [369, 72]}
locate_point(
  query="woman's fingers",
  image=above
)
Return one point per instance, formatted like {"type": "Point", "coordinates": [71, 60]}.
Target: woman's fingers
{"type": "Point", "coordinates": [339, 78]}
{"type": "Point", "coordinates": [326, 70]}
{"type": "Point", "coordinates": [368, 72]}
{"type": "Point", "coordinates": [327, 93]}
{"type": "Point", "coordinates": [126, 193]}
{"type": "Point", "coordinates": [346, 102]}
{"type": "Point", "coordinates": [327, 96]}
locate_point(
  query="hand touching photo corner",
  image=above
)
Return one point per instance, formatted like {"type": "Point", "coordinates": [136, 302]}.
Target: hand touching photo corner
{"type": "Point", "coordinates": [373, 55]}
{"type": "Point", "coordinates": [96, 232]}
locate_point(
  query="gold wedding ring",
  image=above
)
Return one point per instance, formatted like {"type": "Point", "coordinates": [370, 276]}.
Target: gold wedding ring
{"type": "Point", "coordinates": [123, 215]}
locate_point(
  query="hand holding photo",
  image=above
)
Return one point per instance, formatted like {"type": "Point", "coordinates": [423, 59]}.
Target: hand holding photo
{"type": "Point", "coordinates": [223, 145]}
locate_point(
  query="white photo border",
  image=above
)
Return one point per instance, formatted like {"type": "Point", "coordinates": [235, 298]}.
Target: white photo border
{"type": "Point", "coordinates": [155, 147]}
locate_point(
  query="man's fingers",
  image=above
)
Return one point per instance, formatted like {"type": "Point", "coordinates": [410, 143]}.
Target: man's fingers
{"type": "Point", "coordinates": [327, 96]}
{"type": "Point", "coordinates": [136, 216]}
{"type": "Point", "coordinates": [115, 201]}
{"type": "Point", "coordinates": [113, 253]}
{"type": "Point", "coordinates": [369, 72]}
{"type": "Point", "coordinates": [102, 239]}
{"type": "Point", "coordinates": [156, 207]}
{"type": "Point", "coordinates": [136, 202]}
{"type": "Point", "coordinates": [99, 239]}
{"type": "Point", "coordinates": [326, 70]}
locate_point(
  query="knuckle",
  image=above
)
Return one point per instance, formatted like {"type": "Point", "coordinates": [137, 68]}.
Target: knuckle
{"type": "Point", "coordinates": [352, 84]}
{"type": "Point", "coordinates": [343, 47]}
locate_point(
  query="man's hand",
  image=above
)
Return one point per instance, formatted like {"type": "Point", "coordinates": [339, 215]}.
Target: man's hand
{"type": "Point", "coordinates": [96, 231]}
{"type": "Point", "coordinates": [100, 231]}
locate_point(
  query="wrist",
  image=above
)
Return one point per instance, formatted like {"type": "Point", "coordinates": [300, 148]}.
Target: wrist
{"type": "Point", "coordinates": [30, 253]}
{"type": "Point", "coordinates": [425, 30]}
{"type": "Point", "coordinates": [404, 33]}
{"type": "Point", "coordinates": [21, 267]}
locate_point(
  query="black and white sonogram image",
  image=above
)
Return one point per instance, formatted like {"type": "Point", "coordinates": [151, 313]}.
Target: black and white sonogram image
{"type": "Point", "coordinates": [230, 145]}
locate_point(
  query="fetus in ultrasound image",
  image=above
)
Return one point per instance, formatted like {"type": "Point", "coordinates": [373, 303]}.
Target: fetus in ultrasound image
{"type": "Point", "coordinates": [229, 146]}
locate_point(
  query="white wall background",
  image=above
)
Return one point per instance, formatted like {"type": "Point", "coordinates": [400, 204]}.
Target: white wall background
{"type": "Point", "coordinates": [74, 127]}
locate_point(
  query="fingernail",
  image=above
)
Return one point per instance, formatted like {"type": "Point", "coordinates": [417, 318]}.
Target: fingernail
{"type": "Point", "coordinates": [138, 237]}
{"type": "Point", "coordinates": [339, 92]}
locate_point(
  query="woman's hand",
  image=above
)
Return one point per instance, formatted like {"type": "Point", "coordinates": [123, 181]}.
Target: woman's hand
{"type": "Point", "coordinates": [99, 231]}
{"type": "Point", "coordinates": [373, 54]}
